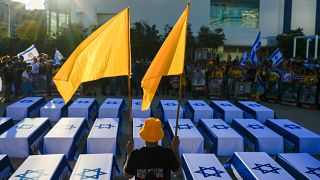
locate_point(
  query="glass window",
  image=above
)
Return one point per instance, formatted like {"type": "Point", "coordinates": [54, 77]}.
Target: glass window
{"type": "Point", "coordinates": [53, 23]}
{"type": "Point", "coordinates": [63, 20]}
{"type": "Point", "coordinates": [234, 13]}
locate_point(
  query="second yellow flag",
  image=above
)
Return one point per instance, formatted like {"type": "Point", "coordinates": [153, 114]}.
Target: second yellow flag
{"type": "Point", "coordinates": [168, 61]}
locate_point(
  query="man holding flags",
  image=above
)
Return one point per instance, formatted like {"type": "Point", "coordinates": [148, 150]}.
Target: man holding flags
{"type": "Point", "coordinates": [107, 53]}
{"type": "Point", "coordinates": [153, 161]}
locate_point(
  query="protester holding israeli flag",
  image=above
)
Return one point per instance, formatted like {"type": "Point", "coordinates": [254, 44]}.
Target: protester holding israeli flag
{"type": "Point", "coordinates": [255, 47]}
{"type": "Point", "coordinates": [276, 57]}
{"type": "Point", "coordinates": [29, 53]}
{"type": "Point", "coordinates": [57, 57]}
{"type": "Point", "coordinates": [244, 58]}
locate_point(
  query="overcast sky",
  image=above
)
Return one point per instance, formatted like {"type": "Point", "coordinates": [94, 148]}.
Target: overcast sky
{"type": "Point", "coordinates": [32, 4]}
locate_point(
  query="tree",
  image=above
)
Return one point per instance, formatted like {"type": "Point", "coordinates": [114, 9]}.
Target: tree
{"type": "Point", "coordinates": [286, 40]}
{"type": "Point", "coordinates": [3, 30]}
{"type": "Point", "coordinates": [68, 38]}
{"type": "Point", "coordinates": [145, 40]}
{"type": "Point", "coordinates": [28, 30]}
{"type": "Point", "coordinates": [210, 39]}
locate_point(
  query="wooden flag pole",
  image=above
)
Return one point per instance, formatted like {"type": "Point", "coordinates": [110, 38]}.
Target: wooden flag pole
{"type": "Point", "coordinates": [179, 104]}
{"type": "Point", "coordinates": [180, 92]}
{"type": "Point", "coordinates": [129, 84]}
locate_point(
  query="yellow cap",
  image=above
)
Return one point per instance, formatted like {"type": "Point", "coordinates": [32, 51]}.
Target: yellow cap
{"type": "Point", "coordinates": [152, 130]}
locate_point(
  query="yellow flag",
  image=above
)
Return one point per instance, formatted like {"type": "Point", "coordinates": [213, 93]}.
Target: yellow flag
{"type": "Point", "coordinates": [168, 61]}
{"type": "Point", "coordinates": [105, 53]}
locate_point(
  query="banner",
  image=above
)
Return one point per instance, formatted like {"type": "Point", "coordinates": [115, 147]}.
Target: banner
{"type": "Point", "coordinates": [242, 90]}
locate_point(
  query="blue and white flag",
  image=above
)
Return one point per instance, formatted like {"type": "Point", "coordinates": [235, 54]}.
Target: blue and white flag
{"type": "Point", "coordinates": [57, 57]}
{"type": "Point", "coordinates": [276, 57]}
{"type": "Point", "coordinates": [29, 53]}
{"type": "Point", "coordinates": [244, 58]}
{"type": "Point", "coordinates": [255, 47]}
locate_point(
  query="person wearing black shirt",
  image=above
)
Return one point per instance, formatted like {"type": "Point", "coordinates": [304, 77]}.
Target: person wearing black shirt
{"type": "Point", "coordinates": [152, 161]}
{"type": "Point", "coordinates": [7, 78]}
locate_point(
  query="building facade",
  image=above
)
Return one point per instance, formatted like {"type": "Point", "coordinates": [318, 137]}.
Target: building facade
{"type": "Point", "coordinates": [241, 20]}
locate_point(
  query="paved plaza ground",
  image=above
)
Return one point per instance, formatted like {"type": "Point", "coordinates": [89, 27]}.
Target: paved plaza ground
{"type": "Point", "coordinates": [306, 117]}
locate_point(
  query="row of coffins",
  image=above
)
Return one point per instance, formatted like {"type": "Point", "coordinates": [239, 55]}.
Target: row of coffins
{"type": "Point", "coordinates": [37, 136]}
{"type": "Point", "coordinates": [243, 165]}
{"type": "Point", "coordinates": [111, 108]}
{"type": "Point", "coordinates": [56, 166]}
{"type": "Point", "coordinates": [69, 137]}
{"type": "Point", "coordinates": [295, 134]}
{"type": "Point", "coordinates": [251, 165]}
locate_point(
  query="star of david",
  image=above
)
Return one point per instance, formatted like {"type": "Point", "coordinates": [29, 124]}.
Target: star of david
{"type": "Point", "coordinates": [84, 102]}
{"type": "Point", "coordinates": [184, 126]}
{"type": "Point", "coordinates": [138, 103]}
{"type": "Point", "coordinates": [213, 172]}
{"type": "Point", "coordinates": [170, 104]}
{"type": "Point", "coordinates": [220, 126]}
{"type": "Point", "coordinates": [31, 175]}
{"type": "Point", "coordinates": [254, 105]}
{"type": "Point", "coordinates": [26, 101]}
{"type": "Point", "coordinates": [199, 104]}
{"type": "Point", "coordinates": [70, 127]}
{"type": "Point", "coordinates": [105, 126]}
{"type": "Point", "coordinates": [269, 168]}
{"type": "Point", "coordinates": [111, 102]}
{"type": "Point", "coordinates": [228, 105]}
{"type": "Point", "coordinates": [91, 173]}
{"type": "Point", "coordinates": [292, 126]}
{"type": "Point", "coordinates": [25, 126]}
{"type": "Point", "coordinates": [258, 46]}
{"type": "Point", "coordinates": [255, 126]}
{"type": "Point", "coordinates": [313, 171]}
{"type": "Point", "coordinates": [57, 102]}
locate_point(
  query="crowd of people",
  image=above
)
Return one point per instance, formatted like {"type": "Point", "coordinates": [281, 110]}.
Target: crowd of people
{"type": "Point", "coordinates": [20, 79]}
{"type": "Point", "coordinates": [207, 78]}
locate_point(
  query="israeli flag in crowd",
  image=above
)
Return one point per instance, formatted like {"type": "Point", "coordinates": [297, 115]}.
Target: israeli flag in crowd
{"type": "Point", "coordinates": [29, 53]}
{"type": "Point", "coordinates": [256, 46]}
{"type": "Point", "coordinates": [244, 58]}
{"type": "Point", "coordinates": [57, 57]}
{"type": "Point", "coordinates": [276, 57]}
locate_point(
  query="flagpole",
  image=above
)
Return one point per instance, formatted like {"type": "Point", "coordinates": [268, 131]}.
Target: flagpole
{"type": "Point", "coordinates": [129, 83]}
{"type": "Point", "coordinates": [180, 88]}
{"type": "Point", "coordinates": [179, 104]}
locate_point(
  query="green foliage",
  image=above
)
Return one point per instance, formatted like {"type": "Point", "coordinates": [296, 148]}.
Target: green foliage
{"type": "Point", "coordinates": [210, 39]}
{"type": "Point", "coordinates": [286, 40]}
{"type": "Point", "coordinates": [3, 30]}
{"type": "Point", "coordinates": [28, 30]}
{"type": "Point", "coordinates": [145, 40]}
{"type": "Point", "coordinates": [68, 38]}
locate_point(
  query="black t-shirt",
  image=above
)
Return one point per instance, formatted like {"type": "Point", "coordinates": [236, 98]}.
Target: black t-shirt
{"type": "Point", "coordinates": [152, 163]}
{"type": "Point", "coordinates": [8, 75]}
